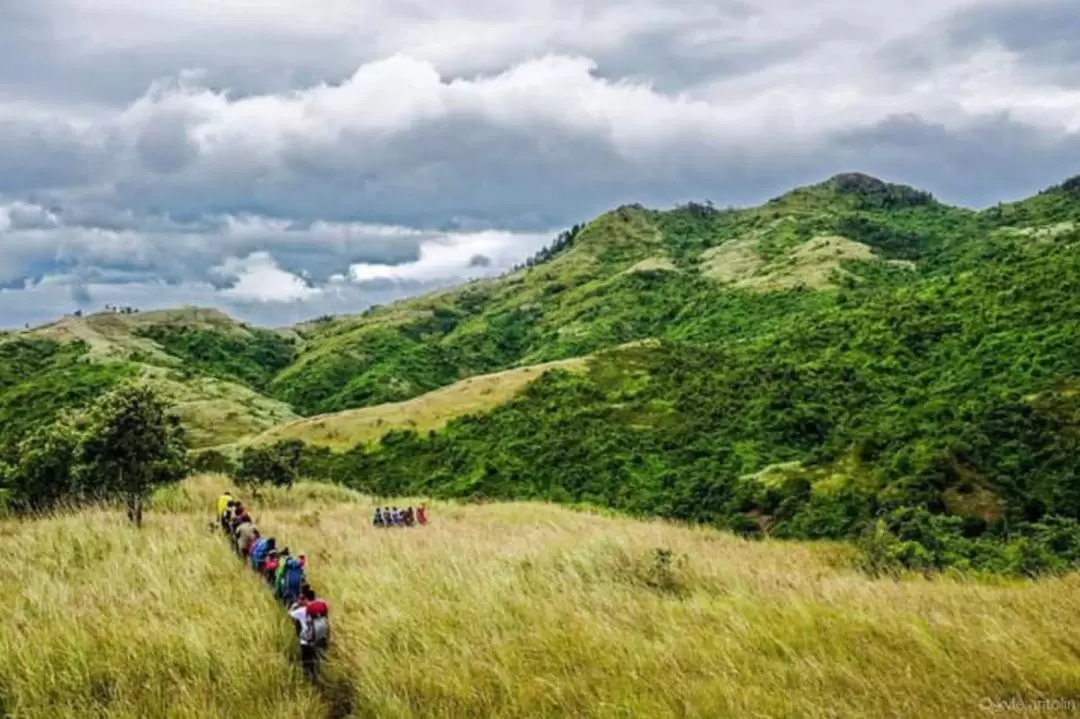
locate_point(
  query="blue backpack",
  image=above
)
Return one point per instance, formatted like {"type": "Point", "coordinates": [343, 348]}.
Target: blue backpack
{"type": "Point", "coordinates": [258, 552]}
{"type": "Point", "coordinates": [291, 580]}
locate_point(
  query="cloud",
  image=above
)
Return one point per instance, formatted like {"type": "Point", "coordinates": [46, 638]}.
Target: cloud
{"type": "Point", "coordinates": [286, 160]}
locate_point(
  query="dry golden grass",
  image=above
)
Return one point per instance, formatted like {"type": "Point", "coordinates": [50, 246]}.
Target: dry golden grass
{"type": "Point", "coordinates": [343, 430]}
{"type": "Point", "coordinates": [515, 610]}
{"type": "Point", "coordinates": [104, 620]}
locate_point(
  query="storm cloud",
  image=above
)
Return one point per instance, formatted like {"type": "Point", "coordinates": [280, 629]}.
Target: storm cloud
{"type": "Point", "coordinates": [282, 160]}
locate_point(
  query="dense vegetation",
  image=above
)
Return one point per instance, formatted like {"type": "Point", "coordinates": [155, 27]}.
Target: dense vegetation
{"type": "Point", "coordinates": [850, 360]}
{"type": "Point", "coordinates": [251, 358]}
{"type": "Point", "coordinates": [39, 378]}
{"type": "Point", "coordinates": [934, 414]}
{"type": "Point", "coordinates": [122, 448]}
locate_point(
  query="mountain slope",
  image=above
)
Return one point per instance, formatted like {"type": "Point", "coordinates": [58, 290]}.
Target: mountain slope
{"type": "Point", "coordinates": [207, 363]}
{"type": "Point", "coordinates": [850, 360]}
{"type": "Point", "coordinates": [628, 275]}
{"type": "Point", "coordinates": [348, 428]}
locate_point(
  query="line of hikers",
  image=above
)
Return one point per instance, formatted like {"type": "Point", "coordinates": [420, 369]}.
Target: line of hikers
{"type": "Point", "coordinates": [394, 517]}
{"type": "Point", "coordinates": [284, 574]}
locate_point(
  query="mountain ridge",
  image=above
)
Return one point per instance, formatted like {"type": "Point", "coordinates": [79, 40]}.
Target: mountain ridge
{"type": "Point", "coordinates": [849, 355]}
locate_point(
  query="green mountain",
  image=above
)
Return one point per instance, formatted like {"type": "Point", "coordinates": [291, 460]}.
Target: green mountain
{"type": "Point", "coordinates": [851, 359]}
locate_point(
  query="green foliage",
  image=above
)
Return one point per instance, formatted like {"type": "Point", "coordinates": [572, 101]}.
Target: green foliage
{"type": "Point", "coordinates": [212, 461]}
{"type": "Point", "coordinates": [252, 357]}
{"type": "Point", "coordinates": [133, 445]}
{"type": "Point", "coordinates": [123, 447]}
{"type": "Point", "coordinates": [40, 378]}
{"type": "Point", "coordinates": [941, 404]}
{"type": "Point", "coordinates": [277, 465]}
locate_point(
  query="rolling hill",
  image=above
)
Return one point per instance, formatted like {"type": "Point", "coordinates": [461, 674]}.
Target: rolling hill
{"type": "Point", "coordinates": [850, 359]}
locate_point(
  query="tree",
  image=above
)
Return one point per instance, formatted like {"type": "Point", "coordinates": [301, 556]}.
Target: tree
{"type": "Point", "coordinates": [277, 465]}
{"type": "Point", "coordinates": [132, 445]}
{"type": "Point", "coordinates": [46, 470]}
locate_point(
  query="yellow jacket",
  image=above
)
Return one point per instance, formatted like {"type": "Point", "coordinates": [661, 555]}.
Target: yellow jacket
{"type": "Point", "coordinates": [223, 503]}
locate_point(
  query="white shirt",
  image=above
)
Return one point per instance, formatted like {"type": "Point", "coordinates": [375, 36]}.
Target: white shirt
{"type": "Point", "coordinates": [300, 614]}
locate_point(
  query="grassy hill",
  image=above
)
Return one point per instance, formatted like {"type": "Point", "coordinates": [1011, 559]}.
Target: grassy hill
{"type": "Point", "coordinates": [475, 395]}
{"type": "Point", "coordinates": [848, 354]}
{"type": "Point", "coordinates": [210, 365]}
{"type": "Point", "coordinates": [505, 610]}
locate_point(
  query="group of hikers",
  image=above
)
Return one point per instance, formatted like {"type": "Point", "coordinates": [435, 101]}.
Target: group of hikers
{"type": "Point", "coordinates": [394, 517]}
{"type": "Point", "coordinates": [284, 574]}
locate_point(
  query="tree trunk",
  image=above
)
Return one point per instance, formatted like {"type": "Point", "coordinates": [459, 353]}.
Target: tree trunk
{"type": "Point", "coordinates": [135, 509]}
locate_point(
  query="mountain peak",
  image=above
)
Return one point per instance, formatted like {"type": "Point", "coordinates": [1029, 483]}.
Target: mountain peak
{"type": "Point", "coordinates": [874, 193]}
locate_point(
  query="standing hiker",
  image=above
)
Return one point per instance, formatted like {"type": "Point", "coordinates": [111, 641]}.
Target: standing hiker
{"type": "Point", "coordinates": [421, 514]}
{"type": "Point", "coordinates": [292, 580]}
{"type": "Point", "coordinates": [312, 628]}
{"type": "Point", "coordinates": [246, 534]}
{"type": "Point", "coordinates": [223, 503]}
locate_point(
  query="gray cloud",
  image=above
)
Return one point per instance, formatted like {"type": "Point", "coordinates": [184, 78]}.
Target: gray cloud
{"type": "Point", "coordinates": [281, 162]}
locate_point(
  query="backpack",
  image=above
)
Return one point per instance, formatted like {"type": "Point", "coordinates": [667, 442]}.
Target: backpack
{"type": "Point", "coordinates": [292, 579]}
{"type": "Point", "coordinates": [319, 630]}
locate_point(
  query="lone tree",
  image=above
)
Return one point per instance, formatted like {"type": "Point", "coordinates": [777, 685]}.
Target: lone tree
{"type": "Point", "coordinates": [277, 465]}
{"type": "Point", "coordinates": [132, 445]}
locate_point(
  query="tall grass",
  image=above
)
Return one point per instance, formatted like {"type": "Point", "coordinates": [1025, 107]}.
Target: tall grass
{"type": "Point", "coordinates": [101, 619]}
{"type": "Point", "coordinates": [511, 610]}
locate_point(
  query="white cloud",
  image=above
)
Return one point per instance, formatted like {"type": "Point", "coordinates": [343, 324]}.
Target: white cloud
{"type": "Point", "coordinates": [454, 257]}
{"type": "Point", "coordinates": [391, 142]}
{"type": "Point", "coordinates": [257, 277]}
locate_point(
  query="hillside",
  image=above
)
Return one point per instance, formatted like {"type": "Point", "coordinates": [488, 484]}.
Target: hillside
{"type": "Point", "coordinates": [210, 365]}
{"type": "Point", "coordinates": [475, 395]}
{"type": "Point", "coordinates": [505, 610]}
{"type": "Point", "coordinates": [852, 359]}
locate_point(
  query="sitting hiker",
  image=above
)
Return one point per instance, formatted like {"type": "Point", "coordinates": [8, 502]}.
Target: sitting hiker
{"type": "Point", "coordinates": [377, 518]}
{"type": "Point", "coordinates": [408, 517]}
{"type": "Point", "coordinates": [395, 513]}
{"type": "Point", "coordinates": [421, 514]}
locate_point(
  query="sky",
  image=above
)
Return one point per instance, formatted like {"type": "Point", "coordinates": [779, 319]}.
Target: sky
{"type": "Point", "coordinates": [281, 159]}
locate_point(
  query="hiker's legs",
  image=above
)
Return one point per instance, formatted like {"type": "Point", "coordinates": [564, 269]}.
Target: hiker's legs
{"type": "Point", "coordinates": [309, 658]}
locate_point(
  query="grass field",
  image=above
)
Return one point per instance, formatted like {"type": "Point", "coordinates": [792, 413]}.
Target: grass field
{"type": "Point", "coordinates": [343, 430]}
{"type": "Point", "coordinates": [506, 610]}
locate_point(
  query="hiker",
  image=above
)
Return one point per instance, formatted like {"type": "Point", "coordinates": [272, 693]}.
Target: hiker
{"type": "Point", "coordinates": [312, 628]}
{"type": "Point", "coordinates": [259, 550]}
{"type": "Point", "coordinates": [292, 579]}
{"type": "Point", "coordinates": [283, 555]}
{"type": "Point", "coordinates": [396, 516]}
{"type": "Point", "coordinates": [226, 518]}
{"type": "Point", "coordinates": [421, 514]}
{"type": "Point", "coordinates": [377, 518]}
{"type": "Point", "coordinates": [237, 516]}
{"type": "Point", "coordinates": [409, 518]}
{"type": "Point", "coordinates": [268, 570]}
{"type": "Point", "coordinates": [224, 502]}
{"type": "Point", "coordinates": [246, 534]}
